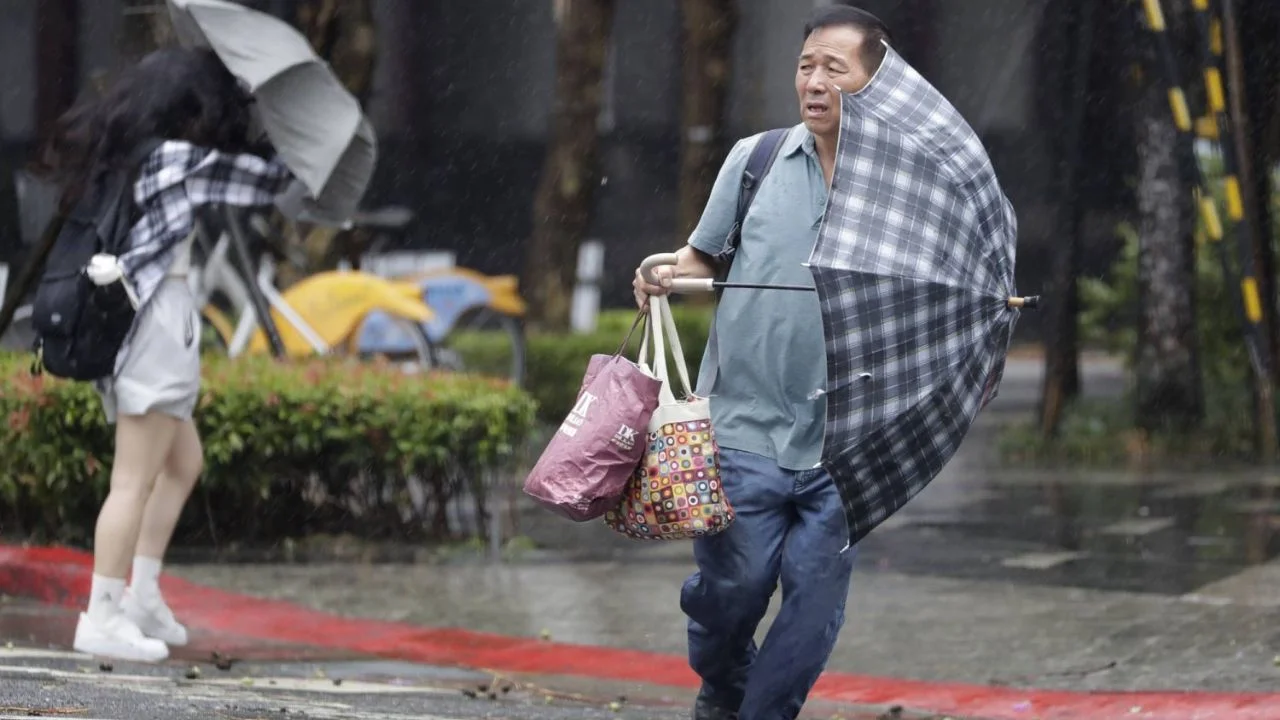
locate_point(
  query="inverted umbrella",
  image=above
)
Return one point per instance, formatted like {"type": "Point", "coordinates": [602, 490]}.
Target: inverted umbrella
{"type": "Point", "coordinates": [914, 270]}
{"type": "Point", "coordinates": [315, 124]}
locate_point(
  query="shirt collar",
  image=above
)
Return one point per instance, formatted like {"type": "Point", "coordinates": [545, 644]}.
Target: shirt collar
{"type": "Point", "coordinates": [798, 139]}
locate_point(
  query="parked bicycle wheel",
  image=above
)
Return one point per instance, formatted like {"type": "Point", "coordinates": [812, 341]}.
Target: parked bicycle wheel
{"type": "Point", "coordinates": [487, 342]}
{"type": "Point", "coordinates": [478, 325]}
{"type": "Point", "coordinates": [415, 354]}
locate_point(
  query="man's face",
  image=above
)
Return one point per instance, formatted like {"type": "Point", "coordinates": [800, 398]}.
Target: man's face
{"type": "Point", "coordinates": [829, 61]}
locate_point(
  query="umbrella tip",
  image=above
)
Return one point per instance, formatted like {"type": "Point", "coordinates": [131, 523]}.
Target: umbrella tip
{"type": "Point", "coordinates": [1030, 302]}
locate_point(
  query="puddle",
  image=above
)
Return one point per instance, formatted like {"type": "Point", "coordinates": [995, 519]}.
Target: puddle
{"type": "Point", "coordinates": [1167, 533]}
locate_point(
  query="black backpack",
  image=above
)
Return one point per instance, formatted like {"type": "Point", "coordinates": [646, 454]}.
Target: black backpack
{"type": "Point", "coordinates": [81, 326]}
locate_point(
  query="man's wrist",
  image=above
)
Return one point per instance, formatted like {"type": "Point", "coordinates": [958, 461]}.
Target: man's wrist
{"type": "Point", "coordinates": [694, 263]}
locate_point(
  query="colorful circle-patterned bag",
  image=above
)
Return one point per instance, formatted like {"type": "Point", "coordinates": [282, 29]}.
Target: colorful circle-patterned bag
{"type": "Point", "coordinates": [675, 493]}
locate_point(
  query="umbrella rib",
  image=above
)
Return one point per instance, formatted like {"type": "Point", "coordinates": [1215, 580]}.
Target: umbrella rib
{"type": "Point", "coordinates": [907, 279]}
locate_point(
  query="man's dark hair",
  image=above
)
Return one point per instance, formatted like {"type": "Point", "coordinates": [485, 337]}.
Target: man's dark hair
{"type": "Point", "coordinates": [874, 31]}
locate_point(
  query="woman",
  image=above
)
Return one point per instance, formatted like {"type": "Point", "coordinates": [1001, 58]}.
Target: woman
{"type": "Point", "coordinates": [189, 102]}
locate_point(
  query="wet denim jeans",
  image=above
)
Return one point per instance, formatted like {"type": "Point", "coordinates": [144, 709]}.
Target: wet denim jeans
{"type": "Point", "coordinates": [790, 528]}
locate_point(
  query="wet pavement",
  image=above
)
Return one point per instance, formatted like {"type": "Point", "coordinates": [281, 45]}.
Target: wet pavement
{"type": "Point", "coordinates": [1077, 580]}
{"type": "Point", "coordinates": [60, 683]}
{"type": "Point", "coordinates": [39, 676]}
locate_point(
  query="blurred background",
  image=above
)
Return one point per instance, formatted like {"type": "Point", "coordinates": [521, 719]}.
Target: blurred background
{"type": "Point", "coordinates": [464, 98]}
{"type": "Point", "coordinates": [549, 145]}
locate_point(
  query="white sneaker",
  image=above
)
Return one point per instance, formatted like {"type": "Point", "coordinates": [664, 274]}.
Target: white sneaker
{"type": "Point", "coordinates": [117, 637]}
{"type": "Point", "coordinates": [153, 616]}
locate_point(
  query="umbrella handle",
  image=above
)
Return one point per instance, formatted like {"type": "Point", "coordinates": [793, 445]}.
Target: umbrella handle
{"type": "Point", "coordinates": [1030, 302]}
{"type": "Point", "coordinates": [678, 285]}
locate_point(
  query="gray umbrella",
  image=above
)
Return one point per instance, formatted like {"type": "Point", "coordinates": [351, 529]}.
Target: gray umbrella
{"type": "Point", "coordinates": [315, 124]}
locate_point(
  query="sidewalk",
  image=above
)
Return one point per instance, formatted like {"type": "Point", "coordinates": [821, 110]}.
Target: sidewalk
{"type": "Point", "coordinates": [233, 623]}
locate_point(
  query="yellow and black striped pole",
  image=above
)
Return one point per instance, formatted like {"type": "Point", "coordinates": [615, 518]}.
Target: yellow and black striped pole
{"type": "Point", "coordinates": [1211, 51]}
{"type": "Point", "coordinates": [1181, 111]}
{"type": "Point", "coordinates": [1211, 55]}
{"type": "Point", "coordinates": [1247, 302]}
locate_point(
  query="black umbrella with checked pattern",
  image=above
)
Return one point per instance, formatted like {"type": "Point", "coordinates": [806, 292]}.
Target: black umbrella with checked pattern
{"type": "Point", "coordinates": [914, 269]}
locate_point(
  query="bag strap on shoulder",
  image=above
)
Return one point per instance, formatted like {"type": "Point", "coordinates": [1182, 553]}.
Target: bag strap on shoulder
{"type": "Point", "coordinates": [753, 174]}
{"type": "Point", "coordinates": [758, 165]}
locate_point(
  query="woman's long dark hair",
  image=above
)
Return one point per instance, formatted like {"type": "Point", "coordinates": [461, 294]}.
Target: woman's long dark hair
{"type": "Point", "coordinates": [172, 94]}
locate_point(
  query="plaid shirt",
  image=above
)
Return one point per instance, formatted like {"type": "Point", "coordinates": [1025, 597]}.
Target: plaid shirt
{"type": "Point", "coordinates": [175, 179]}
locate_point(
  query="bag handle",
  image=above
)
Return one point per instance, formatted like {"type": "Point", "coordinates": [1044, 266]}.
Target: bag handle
{"type": "Point", "coordinates": [677, 352]}
{"type": "Point", "coordinates": [660, 319]}
{"type": "Point", "coordinates": [643, 360]}
{"type": "Point", "coordinates": [640, 316]}
{"type": "Point", "coordinates": [665, 396]}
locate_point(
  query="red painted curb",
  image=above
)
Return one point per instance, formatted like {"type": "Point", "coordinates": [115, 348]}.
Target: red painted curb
{"type": "Point", "coordinates": [60, 575]}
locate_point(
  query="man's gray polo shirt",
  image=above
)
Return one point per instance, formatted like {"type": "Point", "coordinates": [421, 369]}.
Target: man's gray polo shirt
{"type": "Point", "coordinates": [765, 391]}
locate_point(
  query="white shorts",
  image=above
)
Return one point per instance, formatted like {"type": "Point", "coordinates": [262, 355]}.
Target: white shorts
{"type": "Point", "coordinates": [162, 370]}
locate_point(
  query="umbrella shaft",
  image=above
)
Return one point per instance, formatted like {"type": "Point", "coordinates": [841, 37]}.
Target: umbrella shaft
{"type": "Point", "coordinates": [763, 286]}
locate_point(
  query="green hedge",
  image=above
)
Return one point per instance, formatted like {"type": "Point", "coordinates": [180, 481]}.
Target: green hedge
{"type": "Point", "coordinates": [556, 362]}
{"type": "Point", "coordinates": [291, 449]}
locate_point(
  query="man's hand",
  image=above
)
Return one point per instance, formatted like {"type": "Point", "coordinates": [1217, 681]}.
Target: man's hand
{"type": "Point", "coordinates": [692, 264]}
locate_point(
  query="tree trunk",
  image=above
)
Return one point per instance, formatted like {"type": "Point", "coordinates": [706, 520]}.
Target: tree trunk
{"type": "Point", "coordinates": [708, 43]}
{"type": "Point", "coordinates": [1169, 392]}
{"type": "Point", "coordinates": [563, 202]}
{"type": "Point", "coordinates": [57, 58]}
{"type": "Point", "coordinates": [1062, 356]}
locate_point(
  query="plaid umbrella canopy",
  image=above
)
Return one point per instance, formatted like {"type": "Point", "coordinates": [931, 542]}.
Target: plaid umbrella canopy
{"type": "Point", "coordinates": [914, 271]}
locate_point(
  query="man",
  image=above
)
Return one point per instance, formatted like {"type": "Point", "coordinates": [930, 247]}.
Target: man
{"type": "Point", "coordinates": [767, 405]}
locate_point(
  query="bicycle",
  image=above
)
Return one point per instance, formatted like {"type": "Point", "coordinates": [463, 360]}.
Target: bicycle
{"type": "Point", "coordinates": [321, 314]}
{"type": "Point", "coordinates": [478, 323]}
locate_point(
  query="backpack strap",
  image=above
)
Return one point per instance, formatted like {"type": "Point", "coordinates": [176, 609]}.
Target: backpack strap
{"type": "Point", "coordinates": [115, 225]}
{"type": "Point", "coordinates": [758, 165]}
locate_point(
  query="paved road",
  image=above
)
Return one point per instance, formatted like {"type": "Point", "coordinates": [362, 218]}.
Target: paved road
{"type": "Point", "coordinates": [1077, 580]}
{"type": "Point", "coordinates": [51, 683]}
{"type": "Point", "coordinates": [57, 682]}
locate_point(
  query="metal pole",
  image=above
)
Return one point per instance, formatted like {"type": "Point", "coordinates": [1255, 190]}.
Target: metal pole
{"type": "Point", "coordinates": [1211, 52]}
{"type": "Point", "coordinates": [260, 305]}
{"type": "Point", "coordinates": [1246, 302]}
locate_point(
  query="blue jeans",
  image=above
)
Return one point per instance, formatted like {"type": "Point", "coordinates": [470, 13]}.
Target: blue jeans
{"type": "Point", "coordinates": [790, 527]}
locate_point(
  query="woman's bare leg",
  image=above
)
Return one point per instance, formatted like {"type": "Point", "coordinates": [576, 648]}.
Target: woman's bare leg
{"type": "Point", "coordinates": [177, 478]}
{"type": "Point", "coordinates": [142, 444]}
{"type": "Point", "coordinates": [144, 603]}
